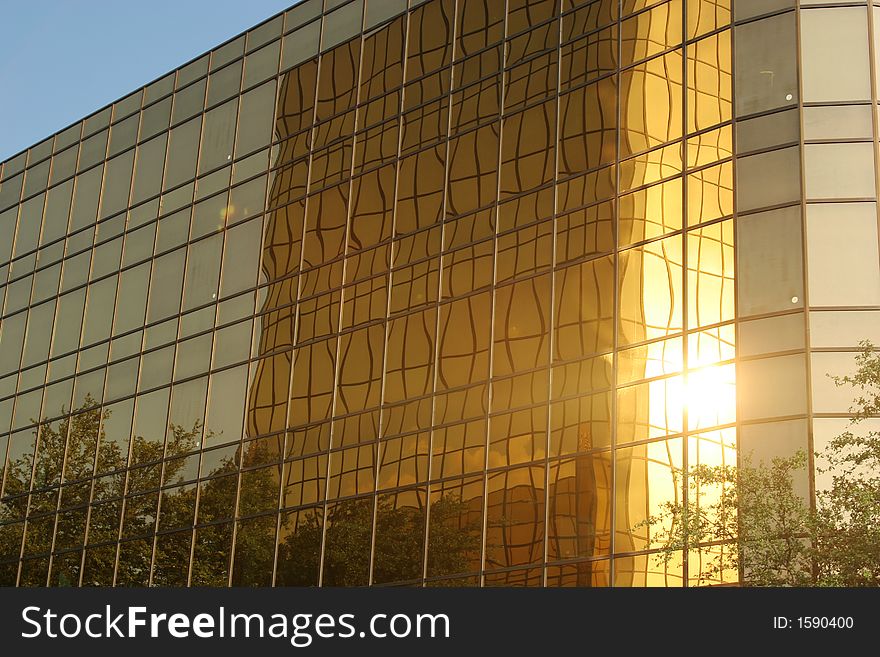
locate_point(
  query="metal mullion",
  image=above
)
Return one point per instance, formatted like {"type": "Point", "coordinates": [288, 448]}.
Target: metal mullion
{"type": "Point", "coordinates": [257, 318]}
{"type": "Point", "coordinates": [338, 336]}
{"type": "Point", "coordinates": [237, 97]}
{"type": "Point", "coordinates": [504, 76]}
{"type": "Point", "coordinates": [685, 418]}
{"type": "Point", "coordinates": [124, 501]}
{"type": "Point", "coordinates": [312, 128]}
{"type": "Point", "coordinates": [339, 331]}
{"type": "Point", "coordinates": [91, 499]}
{"type": "Point", "coordinates": [388, 277]}
{"type": "Point", "coordinates": [152, 261]}
{"type": "Point", "coordinates": [60, 493]}
{"type": "Point", "coordinates": [615, 313]}
{"type": "Point", "coordinates": [872, 13]}
{"type": "Point", "coordinates": [551, 341]}
{"type": "Point", "coordinates": [26, 311]}
{"type": "Point", "coordinates": [165, 437]}
{"type": "Point", "coordinates": [805, 248]}
{"type": "Point", "coordinates": [198, 480]}
{"type": "Point", "coordinates": [12, 431]}
{"type": "Point", "coordinates": [437, 304]}
{"type": "Point", "coordinates": [281, 467]}
{"type": "Point", "coordinates": [28, 509]}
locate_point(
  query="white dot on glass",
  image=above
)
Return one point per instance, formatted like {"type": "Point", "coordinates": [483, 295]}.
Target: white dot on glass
{"type": "Point", "coordinates": [788, 97]}
{"type": "Point", "coordinates": [794, 299]}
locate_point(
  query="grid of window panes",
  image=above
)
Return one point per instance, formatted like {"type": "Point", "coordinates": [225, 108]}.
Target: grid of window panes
{"type": "Point", "coordinates": [772, 368]}
{"type": "Point", "coordinates": [376, 294]}
{"type": "Point", "coordinates": [809, 272]}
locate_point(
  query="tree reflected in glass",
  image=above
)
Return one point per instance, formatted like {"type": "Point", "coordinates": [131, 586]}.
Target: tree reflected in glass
{"type": "Point", "coordinates": [69, 511]}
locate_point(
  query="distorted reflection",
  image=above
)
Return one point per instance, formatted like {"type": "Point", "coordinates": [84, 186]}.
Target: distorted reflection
{"type": "Point", "coordinates": [475, 335]}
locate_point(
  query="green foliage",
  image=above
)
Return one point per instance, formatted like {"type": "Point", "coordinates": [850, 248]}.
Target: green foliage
{"type": "Point", "coordinates": [106, 489]}
{"type": "Point", "coordinates": [400, 533]}
{"type": "Point", "coordinates": [754, 524]}
{"type": "Point", "coordinates": [750, 515]}
{"type": "Point", "coordinates": [848, 512]}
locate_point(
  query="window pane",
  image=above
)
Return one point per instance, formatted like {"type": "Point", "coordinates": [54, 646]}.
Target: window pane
{"type": "Point", "coordinates": [843, 228]}
{"type": "Point", "coordinates": [85, 200]}
{"type": "Point", "coordinates": [123, 135]}
{"type": "Point", "coordinates": [300, 45]}
{"type": "Point", "coordinates": [839, 171]}
{"type": "Point", "coordinates": [217, 136]}
{"type": "Point", "coordinates": [768, 179]}
{"type": "Point", "coordinates": [189, 102]}
{"type": "Point", "coordinates": [148, 170]}
{"type": "Point", "coordinates": [772, 387]}
{"type": "Point", "coordinates": [165, 285]}
{"type": "Point", "coordinates": [117, 182]}
{"type": "Point", "coordinates": [132, 298]}
{"type": "Point", "coordinates": [846, 75]}
{"type": "Point", "coordinates": [224, 83]}
{"type": "Point", "coordinates": [202, 272]}
{"type": "Point", "coordinates": [255, 125]}
{"type": "Point", "coordinates": [183, 152]}
{"type": "Point", "coordinates": [770, 262]}
{"type": "Point", "coordinates": [766, 64]}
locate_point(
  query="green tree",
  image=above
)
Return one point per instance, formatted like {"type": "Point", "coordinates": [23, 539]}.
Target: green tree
{"type": "Point", "coordinates": [75, 485]}
{"type": "Point", "coordinates": [453, 543]}
{"type": "Point", "coordinates": [71, 451]}
{"type": "Point", "coordinates": [847, 531]}
{"type": "Point", "coordinates": [753, 522]}
{"type": "Point", "coordinates": [745, 520]}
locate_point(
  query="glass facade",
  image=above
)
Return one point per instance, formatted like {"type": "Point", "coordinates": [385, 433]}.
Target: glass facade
{"type": "Point", "coordinates": [437, 293]}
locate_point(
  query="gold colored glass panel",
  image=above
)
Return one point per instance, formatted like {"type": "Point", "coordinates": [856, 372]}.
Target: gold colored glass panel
{"type": "Point", "coordinates": [585, 317]}
{"type": "Point", "coordinates": [650, 212]}
{"type": "Point", "coordinates": [580, 424]}
{"type": "Point", "coordinates": [517, 437]}
{"type": "Point", "coordinates": [585, 233]}
{"type": "Point", "coordinates": [403, 461]}
{"type": "Point", "coordinates": [647, 477]}
{"type": "Point", "coordinates": [459, 449]}
{"type": "Point", "coordinates": [704, 16]}
{"type": "Point", "coordinates": [579, 511]}
{"type": "Point", "coordinates": [480, 24]}
{"type": "Point", "coordinates": [337, 80]}
{"type": "Point", "coordinates": [409, 370]}
{"type": "Point", "coordinates": [651, 410]}
{"type": "Point", "coordinates": [650, 32]}
{"type": "Point", "coordinates": [360, 369]}
{"type": "Point", "coordinates": [521, 326]}
{"type": "Point", "coordinates": [515, 517]}
{"type": "Point", "coordinates": [711, 296]}
{"type": "Point", "coordinates": [473, 170]}
{"type": "Point", "coordinates": [352, 472]}
{"type": "Point", "coordinates": [651, 103]}
{"type": "Point", "coordinates": [588, 122]}
{"type": "Point", "coordinates": [456, 511]}
{"type": "Point", "coordinates": [527, 151]}
{"type": "Point", "coordinates": [589, 58]}
{"type": "Point", "coordinates": [649, 361]}
{"type": "Point", "coordinates": [650, 279]}
{"type": "Point", "coordinates": [710, 147]}
{"type": "Point", "coordinates": [464, 341]}
{"type": "Point", "coordinates": [710, 79]}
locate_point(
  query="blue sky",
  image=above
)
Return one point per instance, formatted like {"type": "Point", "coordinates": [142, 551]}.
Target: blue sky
{"type": "Point", "coordinates": [63, 59]}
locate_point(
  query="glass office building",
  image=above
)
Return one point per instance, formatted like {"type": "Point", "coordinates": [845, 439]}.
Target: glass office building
{"type": "Point", "coordinates": [434, 293]}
